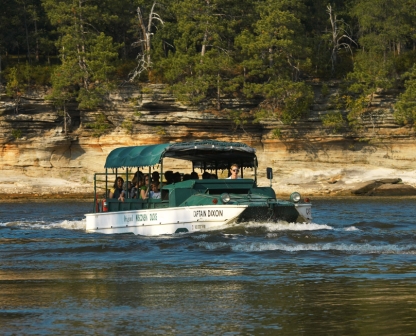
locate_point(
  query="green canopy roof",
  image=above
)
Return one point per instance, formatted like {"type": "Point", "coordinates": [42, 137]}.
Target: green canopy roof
{"type": "Point", "coordinates": [206, 154]}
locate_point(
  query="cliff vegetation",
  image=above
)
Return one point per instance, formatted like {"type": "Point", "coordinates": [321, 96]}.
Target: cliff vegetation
{"type": "Point", "coordinates": [328, 87]}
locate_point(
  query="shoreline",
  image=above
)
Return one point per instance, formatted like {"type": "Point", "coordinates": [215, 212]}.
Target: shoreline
{"type": "Point", "coordinates": [90, 198]}
{"type": "Point", "coordinates": [347, 183]}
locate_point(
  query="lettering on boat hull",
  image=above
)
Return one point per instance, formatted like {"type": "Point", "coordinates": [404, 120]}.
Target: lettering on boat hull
{"type": "Point", "coordinates": [163, 221]}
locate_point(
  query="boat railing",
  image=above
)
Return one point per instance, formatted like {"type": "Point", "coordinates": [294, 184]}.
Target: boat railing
{"type": "Point", "coordinates": [102, 186]}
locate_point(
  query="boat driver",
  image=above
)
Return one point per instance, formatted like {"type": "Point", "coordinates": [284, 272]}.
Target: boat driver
{"type": "Point", "coordinates": [234, 170]}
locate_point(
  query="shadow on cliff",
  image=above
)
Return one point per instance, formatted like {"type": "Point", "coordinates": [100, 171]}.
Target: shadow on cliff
{"type": "Point", "coordinates": [316, 149]}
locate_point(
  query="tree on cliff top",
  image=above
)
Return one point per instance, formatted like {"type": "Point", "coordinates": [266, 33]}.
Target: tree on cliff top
{"type": "Point", "coordinates": [385, 32]}
{"type": "Point", "coordinates": [201, 64]}
{"type": "Point", "coordinates": [405, 112]}
{"type": "Point", "coordinates": [63, 89]}
{"type": "Point", "coordinates": [15, 87]}
{"type": "Point", "coordinates": [81, 45]}
{"type": "Point", "coordinates": [274, 56]}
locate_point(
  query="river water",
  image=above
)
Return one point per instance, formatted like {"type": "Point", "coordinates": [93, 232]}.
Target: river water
{"type": "Point", "coordinates": [350, 272]}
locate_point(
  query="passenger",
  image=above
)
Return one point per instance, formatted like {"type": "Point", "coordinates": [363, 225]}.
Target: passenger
{"type": "Point", "coordinates": [156, 177]}
{"type": "Point", "coordinates": [169, 177]}
{"type": "Point", "coordinates": [126, 191]}
{"type": "Point", "coordinates": [138, 174]}
{"type": "Point", "coordinates": [155, 191]}
{"type": "Point", "coordinates": [186, 177]}
{"type": "Point", "coordinates": [206, 175]}
{"type": "Point", "coordinates": [194, 176]}
{"type": "Point", "coordinates": [177, 177]}
{"type": "Point", "coordinates": [214, 177]}
{"type": "Point", "coordinates": [234, 170]}
{"type": "Point", "coordinates": [152, 192]}
{"type": "Point", "coordinates": [117, 189]}
{"type": "Point", "coordinates": [135, 191]}
{"type": "Point", "coordinates": [144, 190]}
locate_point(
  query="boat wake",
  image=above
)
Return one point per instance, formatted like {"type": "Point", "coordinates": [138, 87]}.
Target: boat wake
{"type": "Point", "coordinates": [284, 226]}
{"type": "Point", "coordinates": [241, 228]}
{"type": "Point", "coordinates": [296, 247]}
{"type": "Point", "coordinates": [42, 225]}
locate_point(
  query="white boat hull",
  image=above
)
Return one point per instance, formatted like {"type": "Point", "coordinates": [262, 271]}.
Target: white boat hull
{"type": "Point", "coordinates": [153, 222]}
{"type": "Point", "coordinates": [305, 211]}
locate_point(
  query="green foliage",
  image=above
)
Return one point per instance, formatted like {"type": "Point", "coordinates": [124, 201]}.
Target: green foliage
{"type": "Point", "coordinates": [15, 85]}
{"type": "Point", "coordinates": [324, 90]}
{"type": "Point", "coordinates": [405, 111]}
{"type": "Point", "coordinates": [100, 125]}
{"type": "Point", "coordinates": [338, 101]}
{"type": "Point", "coordinates": [212, 51]}
{"type": "Point", "coordinates": [286, 101]}
{"type": "Point", "coordinates": [146, 90]}
{"type": "Point", "coordinates": [274, 54]}
{"type": "Point", "coordinates": [89, 52]}
{"type": "Point", "coordinates": [127, 125]}
{"type": "Point", "coordinates": [277, 133]}
{"type": "Point", "coordinates": [63, 84]}
{"type": "Point", "coordinates": [274, 48]}
{"type": "Point", "coordinates": [161, 131]}
{"type": "Point", "coordinates": [24, 76]}
{"type": "Point", "coordinates": [333, 121]}
{"type": "Point", "coordinates": [385, 25]}
{"type": "Point", "coordinates": [192, 91]}
{"type": "Point", "coordinates": [16, 133]}
{"type": "Point", "coordinates": [238, 117]}
{"type": "Point", "coordinates": [372, 72]}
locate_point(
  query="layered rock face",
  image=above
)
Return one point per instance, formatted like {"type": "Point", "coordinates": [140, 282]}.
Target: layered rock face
{"type": "Point", "coordinates": [37, 157]}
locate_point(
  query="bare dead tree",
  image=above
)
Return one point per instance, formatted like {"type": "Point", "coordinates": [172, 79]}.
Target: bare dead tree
{"type": "Point", "coordinates": [338, 35]}
{"type": "Point", "coordinates": [144, 61]}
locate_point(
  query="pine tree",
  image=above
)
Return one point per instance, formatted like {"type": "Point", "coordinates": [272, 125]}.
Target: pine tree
{"type": "Point", "coordinates": [63, 89]}
{"type": "Point", "coordinates": [82, 46]}
{"type": "Point", "coordinates": [274, 55]}
{"type": "Point", "coordinates": [202, 64]}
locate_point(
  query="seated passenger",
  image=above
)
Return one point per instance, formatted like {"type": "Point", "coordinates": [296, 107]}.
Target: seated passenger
{"type": "Point", "coordinates": [206, 175]}
{"type": "Point", "coordinates": [117, 189]}
{"type": "Point", "coordinates": [234, 170]}
{"type": "Point", "coordinates": [194, 176]}
{"type": "Point", "coordinates": [186, 177]}
{"type": "Point", "coordinates": [144, 190]}
{"type": "Point", "coordinates": [152, 192]}
{"type": "Point", "coordinates": [126, 191]}
{"type": "Point", "coordinates": [169, 177]}
{"type": "Point", "coordinates": [177, 177]}
{"type": "Point", "coordinates": [133, 193]}
{"type": "Point", "coordinates": [137, 175]}
{"type": "Point", "coordinates": [155, 191]}
{"type": "Point", "coordinates": [156, 177]}
{"type": "Point", "coordinates": [214, 177]}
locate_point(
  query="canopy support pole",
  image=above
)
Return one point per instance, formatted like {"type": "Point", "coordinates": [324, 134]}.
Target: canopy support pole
{"type": "Point", "coordinates": [242, 169]}
{"type": "Point", "coordinates": [161, 174]}
{"type": "Point", "coordinates": [148, 186]}
{"type": "Point", "coordinates": [127, 182]}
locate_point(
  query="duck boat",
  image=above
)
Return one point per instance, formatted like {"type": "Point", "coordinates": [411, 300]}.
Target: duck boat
{"type": "Point", "coordinates": [192, 205]}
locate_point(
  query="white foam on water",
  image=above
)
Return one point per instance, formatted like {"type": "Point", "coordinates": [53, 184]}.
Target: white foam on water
{"type": "Point", "coordinates": [349, 248]}
{"type": "Point", "coordinates": [351, 228]}
{"type": "Point", "coordinates": [70, 225]}
{"type": "Point", "coordinates": [66, 224]}
{"type": "Point", "coordinates": [284, 226]}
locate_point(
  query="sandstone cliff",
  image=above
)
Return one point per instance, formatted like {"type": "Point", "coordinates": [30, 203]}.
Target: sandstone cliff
{"type": "Point", "coordinates": [38, 158]}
